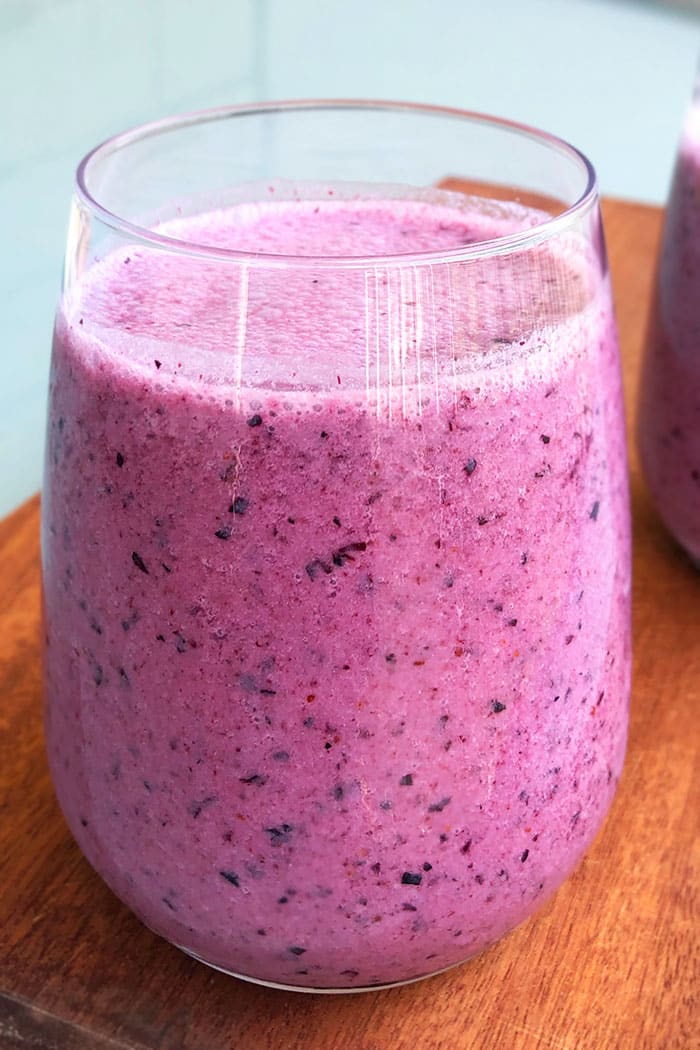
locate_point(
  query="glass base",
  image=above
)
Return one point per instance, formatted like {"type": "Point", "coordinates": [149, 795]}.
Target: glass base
{"type": "Point", "coordinates": [318, 991]}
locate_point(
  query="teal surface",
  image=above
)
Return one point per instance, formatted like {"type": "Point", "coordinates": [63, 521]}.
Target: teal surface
{"type": "Point", "coordinates": [612, 77]}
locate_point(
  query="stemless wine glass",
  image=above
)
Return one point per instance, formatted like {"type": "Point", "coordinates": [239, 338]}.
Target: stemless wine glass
{"type": "Point", "coordinates": [669, 408]}
{"type": "Point", "coordinates": [335, 534]}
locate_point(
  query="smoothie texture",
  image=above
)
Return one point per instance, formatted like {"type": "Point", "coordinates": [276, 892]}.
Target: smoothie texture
{"type": "Point", "coordinates": [336, 569]}
{"type": "Point", "coordinates": [669, 411]}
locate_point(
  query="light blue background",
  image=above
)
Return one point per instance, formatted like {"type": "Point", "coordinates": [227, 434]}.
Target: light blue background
{"type": "Point", "coordinates": [612, 76]}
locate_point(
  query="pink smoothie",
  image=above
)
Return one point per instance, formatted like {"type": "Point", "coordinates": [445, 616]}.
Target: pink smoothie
{"type": "Point", "coordinates": [669, 412]}
{"type": "Point", "coordinates": [336, 571]}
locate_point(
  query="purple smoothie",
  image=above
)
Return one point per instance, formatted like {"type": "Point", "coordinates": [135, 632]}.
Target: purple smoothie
{"type": "Point", "coordinates": [669, 411]}
{"type": "Point", "coordinates": [336, 595]}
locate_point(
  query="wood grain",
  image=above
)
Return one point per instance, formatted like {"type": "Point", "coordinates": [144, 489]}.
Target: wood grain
{"type": "Point", "coordinates": [612, 962]}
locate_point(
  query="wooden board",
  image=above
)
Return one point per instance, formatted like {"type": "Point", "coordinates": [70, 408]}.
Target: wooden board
{"type": "Point", "coordinates": [611, 962]}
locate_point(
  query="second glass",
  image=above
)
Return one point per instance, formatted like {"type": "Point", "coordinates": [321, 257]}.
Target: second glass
{"type": "Point", "coordinates": [669, 407]}
{"type": "Point", "coordinates": [335, 534]}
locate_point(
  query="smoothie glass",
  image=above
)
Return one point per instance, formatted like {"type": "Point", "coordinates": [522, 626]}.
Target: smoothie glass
{"type": "Point", "coordinates": [335, 534]}
{"type": "Point", "coordinates": [669, 409]}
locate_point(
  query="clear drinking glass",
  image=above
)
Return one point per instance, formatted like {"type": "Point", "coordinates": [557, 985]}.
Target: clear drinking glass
{"type": "Point", "coordinates": [335, 534]}
{"type": "Point", "coordinates": [669, 409]}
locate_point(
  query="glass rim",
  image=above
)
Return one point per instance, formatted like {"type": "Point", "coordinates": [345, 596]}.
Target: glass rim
{"type": "Point", "coordinates": [517, 241]}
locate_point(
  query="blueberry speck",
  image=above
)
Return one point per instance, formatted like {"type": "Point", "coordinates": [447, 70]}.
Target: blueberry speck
{"type": "Point", "coordinates": [259, 779]}
{"type": "Point", "coordinates": [427, 866]}
{"type": "Point", "coordinates": [281, 756]}
{"type": "Point", "coordinates": [223, 533]}
{"type": "Point", "coordinates": [120, 459]}
{"type": "Point", "coordinates": [390, 658]}
{"type": "Point", "coordinates": [470, 467]}
{"type": "Point", "coordinates": [84, 822]}
{"type": "Point", "coordinates": [497, 707]}
{"type": "Point", "coordinates": [376, 868]}
{"type": "Point", "coordinates": [280, 834]}
{"type": "Point", "coordinates": [139, 562]}
{"type": "Point", "coordinates": [338, 792]}
{"type": "Point", "coordinates": [255, 420]}
{"type": "Point", "coordinates": [594, 510]}
{"type": "Point", "coordinates": [411, 878]}
{"type": "Point", "coordinates": [437, 807]}
{"type": "Point", "coordinates": [313, 568]}
{"type": "Point", "coordinates": [545, 439]}
{"type": "Point", "coordinates": [168, 903]}
{"type": "Point", "coordinates": [336, 521]}
{"type": "Point", "coordinates": [295, 950]}
{"type": "Point", "coordinates": [343, 554]}
{"type": "Point", "coordinates": [231, 877]}
{"type": "Point", "coordinates": [239, 505]}
{"type": "Point", "coordinates": [157, 363]}
{"type": "Point", "coordinates": [479, 879]}
{"type": "Point", "coordinates": [406, 780]}
{"type": "Point", "coordinates": [261, 933]}
{"type": "Point", "coordinates": [386, 805]}
{"type": "Point", "coordinates": [524, 855]}
{"type": "Point", "coordinates": [324, 434]}
{"type": "Point", "coordinates": [409, 907]}
{"type": "Point", "coordinates": [513, 623]}
{"type": "Point", "coordinates": [196, 807]}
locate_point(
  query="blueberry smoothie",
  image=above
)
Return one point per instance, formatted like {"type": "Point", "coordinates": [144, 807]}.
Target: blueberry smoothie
{"type": "Point", "coordinates": [336, 568]}
{"type": "Point", "coordinates": [669, 411]}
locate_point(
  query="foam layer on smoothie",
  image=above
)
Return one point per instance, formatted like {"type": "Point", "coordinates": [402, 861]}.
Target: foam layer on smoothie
{"type": "Point", "coordinates": [387, 330]}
